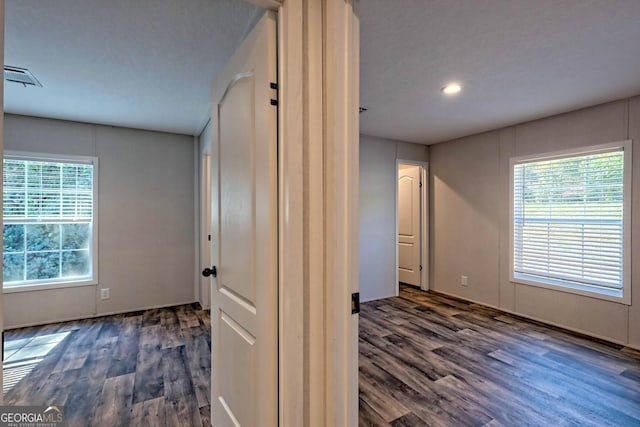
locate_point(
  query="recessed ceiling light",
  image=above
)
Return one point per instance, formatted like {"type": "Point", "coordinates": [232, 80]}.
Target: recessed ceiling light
{"type": "Point", "coordinates": [451, 89]}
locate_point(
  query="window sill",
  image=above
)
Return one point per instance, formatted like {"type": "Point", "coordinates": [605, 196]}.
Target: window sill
{"type": "Point", "coordinates": [620, 296]}
{"type": "Point", "coordinates": [47, 286]}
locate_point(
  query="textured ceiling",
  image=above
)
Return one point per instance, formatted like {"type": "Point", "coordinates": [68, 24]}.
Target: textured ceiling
{"type": "Point", "coordinates": [148, 63]}
{"type": "Point", "coordinates": [144, 63]}
{"type": "Point", "coordinates": [517, 60]}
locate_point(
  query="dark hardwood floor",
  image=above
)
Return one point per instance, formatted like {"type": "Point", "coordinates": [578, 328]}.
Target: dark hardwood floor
{"type": "Point", "coordinates": [425, 359]}
{"type": "Point", "coordinates": [149, 368]}
{"type": "Point", "coordinates": [429, 360]}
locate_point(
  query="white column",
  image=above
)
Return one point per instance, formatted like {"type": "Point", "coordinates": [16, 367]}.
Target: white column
{"type": "Point", "coordinates": [1, 151]}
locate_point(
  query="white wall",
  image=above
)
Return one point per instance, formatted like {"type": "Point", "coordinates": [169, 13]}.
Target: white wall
{"type": "Point", "coordinates": [146, 245]}
{"type": "Point", "coordinates": [378, 181]}
{"type": "Point", "coordinates": [470, 219]}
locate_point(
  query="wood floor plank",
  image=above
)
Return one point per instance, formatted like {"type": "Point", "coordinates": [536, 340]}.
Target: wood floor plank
{"type": "Point", "coordinates": [205, 415]}
{"type": "Point", "coordinates": [171, 327]}
{"type": "Point", "coordinates": [199, 363]}
{"type": "Point", "coordinates": [425, 359]}
{"type": "Point", "coordinates": [149, 382]}
{"type": "Point", "coordinates": [151, 317]}
{"type": "Point", "coordinates": [369, 417]}
{"type": "Point", "coordinates": [114, 407]}
{"type": "Point", "coordinates": [409, 420]}
{"type": "Point", "coordinates": [453, 362]}
{"type": "Point", "coordinates": [111, 370]}
{"type": "Point", "coordinates": [150, 413]}
{"type": "Point", "coordinates": [31, 388]}
{"type": "Point", "coordinates": [381, 395]}
{"type": "Point", "coordinates": [82, 346]}
{"type": "Point", "coordinates": [178, 384]}
{"type": "Point", "coordinates": [125, 355]}
{"type": "Point", "coordinates": [81, 403]}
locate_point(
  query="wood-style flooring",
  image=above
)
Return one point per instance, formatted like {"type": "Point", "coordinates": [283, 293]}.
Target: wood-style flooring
{"type": "Point", "coordinates": [425, 359]}
{"type": "Point", "coordinates": [148, 368]}
{"type": "Point", "coordinates": [430, 360]}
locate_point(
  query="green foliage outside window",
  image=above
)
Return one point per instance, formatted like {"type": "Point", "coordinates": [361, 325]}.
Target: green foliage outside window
{"type": "Point", "coordinates": [568, 180]}
{"type": "Point", "coordinates": [46, 251]}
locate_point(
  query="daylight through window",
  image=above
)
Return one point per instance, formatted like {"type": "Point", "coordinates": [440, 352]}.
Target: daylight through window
{"type": "Point", "coordinates": [48, 228]}
{"type": "Point", "coordinates": [570, 220]}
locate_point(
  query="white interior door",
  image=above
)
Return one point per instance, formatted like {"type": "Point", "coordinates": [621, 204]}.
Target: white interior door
{"type": "Point", "coordinates": [244, 227]}
{"type": "Point", "coordinates": [409, 224]}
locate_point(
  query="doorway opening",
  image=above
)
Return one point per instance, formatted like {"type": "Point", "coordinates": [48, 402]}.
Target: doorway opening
{"type": "Point", "coordinates": [412, 224]}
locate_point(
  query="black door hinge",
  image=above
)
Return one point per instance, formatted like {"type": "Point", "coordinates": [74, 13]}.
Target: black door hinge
{"type": "Point", "coordinates": [421, 184]}
{"type": "Point", "coordinates": [273, 86]}
{"type": "Point", "coordinates": [420, 268]}
{"type": "Point", "coordinates": [209, 237]}
{"type": "Point", "coordinates": [355, 303]}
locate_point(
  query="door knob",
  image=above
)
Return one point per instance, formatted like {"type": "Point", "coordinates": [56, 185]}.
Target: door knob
{"type": "Point", "coordinates": [209, 271]}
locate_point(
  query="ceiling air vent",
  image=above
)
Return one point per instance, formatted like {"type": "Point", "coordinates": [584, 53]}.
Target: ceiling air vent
{"type": "Point", "coordinates": [20, 75]}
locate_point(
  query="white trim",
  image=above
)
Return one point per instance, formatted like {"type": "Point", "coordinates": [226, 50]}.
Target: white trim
{"type": "Point", "coordinates": [570, 152]}
{"type": "Point", "coordinates": [539, 319]}
{"type": "Point", "coordinates": [614, 295]}
{"type": "Point", "coordinates": [203, 207]}
{"type": "Point", "coordinates": [341, 126]}
{"type": "Point", "coordinates": [47, 286]}
{"type": "Point", "coordinates": [204, 229]}
{"type": "Point", "coordinates": [426, 270]}
{"type": "Point", "coordinates": [60, 158]}
{"type": "Point", "coordinates": [316, 413]}
{"type": "Point", "coordinates": [318, 59]}
{"type": "Point", "coordinates": [424, 222]}
{"type": "Point", "coordinates": [291, 280]}
{"type": "Point", "coordinates": [196, 219]}
{"type": "Point", "coordinates": [318, 151]}
{"type": "Point", "coordinates": [1, 149]}
{"type": "Point", "coordinates": [624, 295]}
{"type": "Point", "coordinates": [49, 157]}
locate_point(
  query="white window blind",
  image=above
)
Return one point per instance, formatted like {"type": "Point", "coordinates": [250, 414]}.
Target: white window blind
{"type": "Point", "coordinates": [47, 190]}
{"type": "Point", "coordinates": [568, 219]}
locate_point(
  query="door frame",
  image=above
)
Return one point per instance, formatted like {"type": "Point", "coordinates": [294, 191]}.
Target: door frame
{"type": "Point", "coordinates": [424, 222]}
{"type": "Point", "coordinates": [203, 242]}
{"type": "Point", "coordinates": [1, 151]}
{"type": "Point", "coordinates": [318, 149]}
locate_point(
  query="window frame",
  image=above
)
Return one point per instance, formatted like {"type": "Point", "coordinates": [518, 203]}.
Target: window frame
{"type": "Point", "coordinates": [59, 283]}
{"type": "Point", "coordinates": [622, 295]}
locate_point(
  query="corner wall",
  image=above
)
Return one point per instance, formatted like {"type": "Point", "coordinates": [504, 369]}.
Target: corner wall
{"type": "Point", "coordinates": [470, 219]}
{"type": "Point", "coordinates": [378, 182]}
{"type": "Point", "coordinates": [145, 219]}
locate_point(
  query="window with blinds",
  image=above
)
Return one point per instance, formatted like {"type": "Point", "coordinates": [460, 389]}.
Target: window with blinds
{"type": "Point", "coordinates": [48, 228]}
{"type": "Point", "coordinates": [570, 219]}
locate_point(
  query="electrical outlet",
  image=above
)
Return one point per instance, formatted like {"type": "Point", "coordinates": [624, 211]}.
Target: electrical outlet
{"type": "Point", "coordinates": [105, 293]}
{"type": "Point", "coordinates": [464, 281]}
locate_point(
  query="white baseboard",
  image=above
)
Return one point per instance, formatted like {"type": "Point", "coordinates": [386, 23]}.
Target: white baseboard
{"type": "Point", "coordinates": [93, 316]}
{"type": "Point", "coordinates": [537, 319]}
